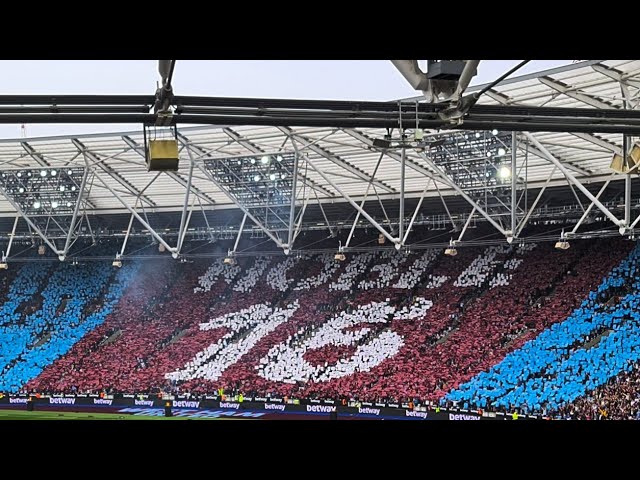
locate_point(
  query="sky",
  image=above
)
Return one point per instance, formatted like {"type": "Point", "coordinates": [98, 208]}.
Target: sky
{"type": "Point", "coordinates": [312, 79]}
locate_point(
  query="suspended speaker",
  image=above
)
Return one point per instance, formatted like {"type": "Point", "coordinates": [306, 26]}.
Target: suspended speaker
{"type": "Point", "coordinates": [163, 156]}
{"type": "Point", "coordinates": [633, 158]}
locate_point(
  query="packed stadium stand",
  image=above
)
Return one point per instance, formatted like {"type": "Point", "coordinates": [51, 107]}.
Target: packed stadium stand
{"type": "Point", "coordinates": [467, 251]}
{"type": "Point", "coordinates": [525, 327]}
{"type": "Point", "coordinates": [597, 341]}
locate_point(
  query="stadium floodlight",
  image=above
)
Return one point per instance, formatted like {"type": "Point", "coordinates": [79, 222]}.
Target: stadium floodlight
{"type": "Point", "coordinates": [264, 160]}
{"type": "Point", "coordinates": [256, 178]}
{"type": "Point", "coordinates": [340, 257]}
{"type": "Point", "coordinates": [49, 194]}
{"type": "Point", "coordinates": [272, 176]}
{"type": "Point", "coordinates": [478, 134]}
{"type": "Point", "coordinates": [502, 151]}
{"type": "Point", "coordinates": [4, 265]}
{"type": "Point", "coordinates": [562, 245]}
{"type": "Point", "coordinates": [229, 261]}
{"type": "Point", "coordinates": [494, 132]}
{"type": "Point", "coordinates": [117, 263]}
{"type": "Point", "coordinates": [504, 172]}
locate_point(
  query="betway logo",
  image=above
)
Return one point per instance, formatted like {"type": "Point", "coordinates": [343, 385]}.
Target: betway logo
{"type": "Point", "coordinates": [102, 401]}
{"type": "Point", "coordinates": [273, 406]}
{"type": "Point", "coordinates": [17, 400]}
{"type": "Point", "coordinates": [372, 411]}
{"type": "Point", "coordinates": [64, 401]}
{"type": "Point", "coordinates": [320, 408]}
{"type": "Point", "coordinates": [409, 413]}
{"type": "Point", "coordinates": [186, 404]}
{"type": "Point", "coordinates": [462, 416]}
{"type": "Point", "coordinates": [147, 403]}
{"type": "Point", "coordinates": [229, 405]}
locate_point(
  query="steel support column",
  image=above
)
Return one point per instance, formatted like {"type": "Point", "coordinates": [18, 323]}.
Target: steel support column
{"type": "Point", "coordinates": [514, 181]}
{"type": "Point", "coordinates": [403, 157]}
{"type": "Point", "coordinates": [438, 176]}
{"type": "Point", "coordinates": [461, 192]}
{"type": "Point", "coordinates": [252, 147]}
{"type": "Point", "coordinates": [354, 204]}
{"type": "Point", "coordinates": [67, 242]}
{"type": "Point", "coordinates": [573, 179]}
{"type": "Point", "coordinates": [633, 225]}
{"type": "Point", "coordinates": [235, 245]}
{"type": "Point", "coordinates": [364, 199]}
{"type": "Point", "coordinates": [305, 142]}
{"type": "Point", "coordinates": [524, 221]}
{"type": "Point", "coordinates": [466, 225]}
{"type": "Point", "coordinates": [13, 234]}
{"type": "Point", "coordinates": [415, 212]}
{"type": "Point", "coordinates": [112, 173]}
{"type": "Point", "coordinates": [238, 204]}
{"type": "Point", "coordinates": [627, 184]}
{"type": "Point", "coordinates": [444, 204]}
{"type": "Point", "coordinates": [138, 217]}
{"type": "Point", "coordinates": [126, 237]}
{"type": "Point", "coordinates": [324, 215]}
{"type": "Point", "coordinates": [29, 222]}
{"type": "Point", "coordinates": [174, 175]}
{"type": "Point", "coordinates": [300, 217]}
{"type": "Point", "coordinates": [292, 210]}
{"type": "Point", "coordinates": [183, 217]}
{"type": "Point", "coordinates": [586, 212]}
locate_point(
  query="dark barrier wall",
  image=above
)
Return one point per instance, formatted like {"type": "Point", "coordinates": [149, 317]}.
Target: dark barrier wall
{"type": "Point", "coordinates": [272, 405]}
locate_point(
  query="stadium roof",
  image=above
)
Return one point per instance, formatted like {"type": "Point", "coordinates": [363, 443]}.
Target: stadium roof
{"type": "Point", "coordinates": [340, 162]}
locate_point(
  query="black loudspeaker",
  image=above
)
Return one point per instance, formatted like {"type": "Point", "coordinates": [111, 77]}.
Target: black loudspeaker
{"type": "Point", "coordinates": [167, 410]}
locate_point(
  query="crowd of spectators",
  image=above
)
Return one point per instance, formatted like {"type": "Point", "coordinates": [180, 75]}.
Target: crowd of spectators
{"type": "Point", "coordinates": [556, 366]}
{"type": "Point", "coordinates": [391, 326]}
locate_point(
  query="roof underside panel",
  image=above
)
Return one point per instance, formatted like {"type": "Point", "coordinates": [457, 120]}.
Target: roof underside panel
{"type": "Point", "coordinates": [348, 163]}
